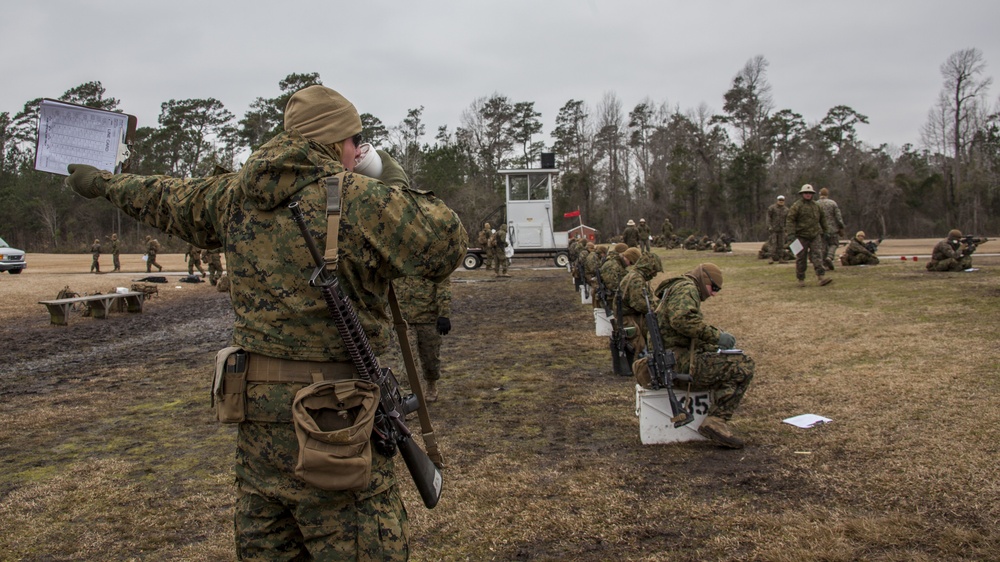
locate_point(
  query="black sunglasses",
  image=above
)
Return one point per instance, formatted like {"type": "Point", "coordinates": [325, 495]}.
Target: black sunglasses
{"type": "Point", "coordinates": [358, 140]}
{"type": "Point", "coordinates": [715, 288]}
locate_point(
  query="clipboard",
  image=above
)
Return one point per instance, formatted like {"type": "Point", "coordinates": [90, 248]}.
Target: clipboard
{"type": "Point", "coordinates": [69, 133]}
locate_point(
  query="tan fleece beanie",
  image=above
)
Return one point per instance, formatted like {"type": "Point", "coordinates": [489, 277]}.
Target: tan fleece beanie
{"type": "Point", "coordinates": [705, 274]}
{"type": "Point", "coordinates": [632, 255]}
{"type": "Point", "coordinates": [322, 115]}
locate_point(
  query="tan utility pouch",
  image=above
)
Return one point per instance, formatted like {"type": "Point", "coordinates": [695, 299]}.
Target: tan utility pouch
{"type": "Point", "coordinates": [640, 368]}
{"type": "Point", "coordinates": [333, 423]}
{"type": "Point", "coordinates": [229, 395]}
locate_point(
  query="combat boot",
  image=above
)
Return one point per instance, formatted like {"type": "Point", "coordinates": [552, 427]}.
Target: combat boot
{"type": "Point", "coordinates": [716, 429]}
{"type": "Point", "coordinates": [431, 392]}
{"type": "Point", "coordinates": [802, 283]}
{"type": "Point", "coordinates": [825, 281]}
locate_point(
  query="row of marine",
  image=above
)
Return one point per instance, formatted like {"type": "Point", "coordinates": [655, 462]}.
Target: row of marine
{"type": "Point", "coordinates": [659, 335]}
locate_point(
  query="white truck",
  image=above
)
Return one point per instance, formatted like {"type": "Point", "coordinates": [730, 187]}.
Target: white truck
{"type": "Point", "coordinates": [528, 214]}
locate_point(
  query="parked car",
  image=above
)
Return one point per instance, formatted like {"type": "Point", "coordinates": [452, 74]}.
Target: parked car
{"type": "Point", "coordinates": [11, 259]}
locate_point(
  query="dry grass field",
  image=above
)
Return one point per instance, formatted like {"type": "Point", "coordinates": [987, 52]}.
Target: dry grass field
{"type": "Point", "coordinates": [110, 451]}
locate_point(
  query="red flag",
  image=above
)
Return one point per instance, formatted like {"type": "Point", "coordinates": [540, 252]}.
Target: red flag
{"type": "Point", "coordinates": [572, 214]}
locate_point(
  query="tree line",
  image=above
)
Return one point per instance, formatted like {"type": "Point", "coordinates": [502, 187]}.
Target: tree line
{"type": "Point", "coordinates": [709, 172]}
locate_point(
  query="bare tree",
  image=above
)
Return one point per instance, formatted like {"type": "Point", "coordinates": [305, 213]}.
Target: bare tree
{"type": "Point", "coordinates": [955, 121]}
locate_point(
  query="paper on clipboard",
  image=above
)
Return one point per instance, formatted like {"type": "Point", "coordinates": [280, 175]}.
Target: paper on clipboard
{"type": "Point", "coordinates": [795, 246]}
{"type": "Point", "coordinates": [806, 420]}
{"type": "Point", "coordinates": [73, 134]}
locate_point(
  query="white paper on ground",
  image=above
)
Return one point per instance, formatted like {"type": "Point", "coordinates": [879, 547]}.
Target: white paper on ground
{"type": "Point", "coordinates": [807, 420]}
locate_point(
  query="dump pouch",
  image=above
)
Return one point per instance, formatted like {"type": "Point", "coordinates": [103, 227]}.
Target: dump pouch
{"type": "Point", "coordinates": [640, 368]}
{"type": "Point", "coordinates": [333, 423]}
{"type": "Point", "coordinates": [229, 387]}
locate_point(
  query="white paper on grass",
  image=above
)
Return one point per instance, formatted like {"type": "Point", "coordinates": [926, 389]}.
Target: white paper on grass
{"type": "Point", "coordinates": [807, 420]}
{"type": "Point", "coordinates": [795, 246]}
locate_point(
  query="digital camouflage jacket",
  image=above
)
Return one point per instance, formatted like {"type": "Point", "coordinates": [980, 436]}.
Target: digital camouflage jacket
{"type": "Point", "coordinates": [387, 230]}
{"type": "Point", "coordinates": [680, 320]}
{"type": "Point", "coordinates": [805, 220]}
{"type": "Point", "coordinates": [422, 301]}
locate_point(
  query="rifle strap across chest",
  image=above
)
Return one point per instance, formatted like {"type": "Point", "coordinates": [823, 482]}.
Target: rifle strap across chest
{"type": "Point", "coordinates": [334, 186]}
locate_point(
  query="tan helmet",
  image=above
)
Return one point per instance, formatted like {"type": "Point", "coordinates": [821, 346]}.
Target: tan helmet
{"type": "Point", "coordinates": [486, 225]}
{"type": "Point", "coordinates": [807, 189]}
{"type": "Point", "coordinates": [955, 234]}
{"type": "Point", "coordinates": [860, 235]}
{"type": "Point", "coordinates": [781, 198]}
{"type": "Point", "coordinates": [824, 192]}
{"type": "Point", "coordinates": [620, 248]}
{"type": "Point", "coordinates": [630, 223]}
{"type": "Point", "coordinates": [642, 220]}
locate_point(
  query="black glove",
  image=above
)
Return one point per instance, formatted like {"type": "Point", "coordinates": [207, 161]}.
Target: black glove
{"type": "Point", "coordinates": [727, 340]}
{"type": "Point", "coordinates": [443, 325]}
{"type": "Point", "coordinates": [88, 180]}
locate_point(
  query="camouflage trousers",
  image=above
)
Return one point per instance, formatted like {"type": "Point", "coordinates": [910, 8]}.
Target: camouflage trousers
{"type": "Point", "coordinates": [280, 517]}
{"type": "Point", "coordinates": [727, 377]}
{"type": "Point", "coordinates": [117, 262]}
{"type": "Point", "coordinates": [831, 241]}
{"type": "Point", "coordinates": [858, 259]}
{"type": "Point", "coordinates": [812, 250]}
{"type": "Point", "coordinates": [195, 264]}
{"type": "Point", "coordinates": [950, 264]}
{"type": "Point", "coordinates": [500, 261]}
{"type": "Point", "coordinates": [427, 341]}
{"type": "Point", "coordinates": [776, 245]}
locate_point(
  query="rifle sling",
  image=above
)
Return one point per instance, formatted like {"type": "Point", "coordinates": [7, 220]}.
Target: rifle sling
{"type": "Point", "coordinates": [426, 431]}
{"type": "Point", "coordinates": [333, 194]}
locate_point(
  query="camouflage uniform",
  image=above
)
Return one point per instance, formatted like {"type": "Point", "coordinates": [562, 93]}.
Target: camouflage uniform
{"type": "Point", "coordinates": [484, 242]}
{"type": "Point", "coordinates": [193, 257]}
{"type": "Point", "coordinates": [633, 309]}
{"type": "Point", "coordinates": [807, 223]}
{"type": "Point", "coordinates": [152, 246]}
{"type": "Point", "coordinates": [776, 215]}
{"type": "Point", "coordinates": [426, 307]}
{"type": "Point", "coordinates": [95, 251]}
{"type": "Point", "coordinates": [947, 257]}
{"type": "Point", "coordinates": [115, 252]}
{"type": "Point", "coordinates": [681, 323]}
{"type": "Point", "coordinates": [705, 243]}
{"type": "Point", "coordinates": [690, 243]}
{"type": "Point", "coordinates": [213, 258]}
{"type": "Point", "coordinates": [387, 230]}
{"type": "Point", "coordinates": [631, 235]}
{"type": "Point", "coordinates": [591, 266]}
{"type": "Point", "coordinates": [857, 254]}
{"type": "Point", "coordinates": [834, 228]}
{"type": "Point", "coordinates": [498, 242]}
{"type": "Point", "coordinates": [668, 234]}
{"type": "Point", "coordinates": [644, 235]}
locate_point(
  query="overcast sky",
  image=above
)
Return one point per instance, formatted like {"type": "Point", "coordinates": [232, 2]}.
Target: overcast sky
{"type": "Point", "coordinates": [880, 57]}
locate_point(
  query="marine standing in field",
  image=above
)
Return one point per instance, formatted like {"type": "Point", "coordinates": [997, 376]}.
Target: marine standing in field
{"type": "Point", "coordinates": [645, 236]}
{"type": "Point", "coordinates": [947, 254]}
{"type": "Point", "coordinates": [667, 230]}
{"type": "Point", "coordinates": [857, 252]}
{"type": "Point", "coordinates": [696, 346]}
{"type": "Point", "coordinates": [498, 248]}
{"type": "Point", "coordinates": [834, 227]}
{"type": "Point", "coordinates": [152, 247]}
{"type": "Point", "coordinates": [193, 257]}
{"type": "Point", "coordinates": [213, 257]}
{"type": "Point", "coordinates": [807, 223]}
{"type": "Point", "coordinates": [426, 307]}
{"type": "Point", "coordinates": [283, 324]}
{"type": "Point", "coordinates": [95, 251]}
{"type": "Point", "coordinates": [631, 234]}
{"type": "Point", "coordinates": [633, 303]}
{"type": "Point", "coordinates": [484, 242]}
{"type": "Point", "coordinates": [776, 215]}
{"type": "Point", "coordinates": [116, 252]}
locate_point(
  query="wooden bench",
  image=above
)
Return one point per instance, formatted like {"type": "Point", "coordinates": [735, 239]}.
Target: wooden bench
{"type": "Point", "coordinates": [100, 305]}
